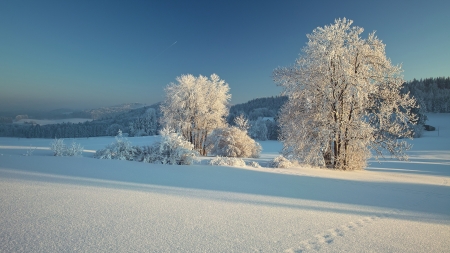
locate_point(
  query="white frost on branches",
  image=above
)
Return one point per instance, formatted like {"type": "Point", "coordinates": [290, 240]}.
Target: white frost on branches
{"type": "Point", "coordinates": [175, 149]}
{"type": "Point", "coordinates": [232, 142]}
{"type": "Point", "coordinates": [172, 149]}
{"type": "Point", "coordinates": [60, 149]}
{"type": "Point", "coordinates": [195, 106]}
{"type": "Point", "coordinates": [242, 123]}
{"type": "Point", "coordinates": [344, 99]}
{"type": "Point", "coordinates": [227, 161]}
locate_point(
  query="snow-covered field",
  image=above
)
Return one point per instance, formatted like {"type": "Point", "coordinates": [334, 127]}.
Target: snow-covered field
{"type": "Point", "coordinates": [82, 204]}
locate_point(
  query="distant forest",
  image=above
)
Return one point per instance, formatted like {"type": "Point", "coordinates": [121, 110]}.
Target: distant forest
{"type": "Point", "coordinates": [432, 94]}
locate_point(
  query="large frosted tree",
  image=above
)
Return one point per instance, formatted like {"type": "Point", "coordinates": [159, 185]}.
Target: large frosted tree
{"type": "Point", "coordinates": [195, 106]}
{"type": "Point", "coordinates": [343, 100]}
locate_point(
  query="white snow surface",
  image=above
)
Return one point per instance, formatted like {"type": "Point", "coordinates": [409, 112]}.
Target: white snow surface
{"type": "Point", "coordinates": [82, 204]}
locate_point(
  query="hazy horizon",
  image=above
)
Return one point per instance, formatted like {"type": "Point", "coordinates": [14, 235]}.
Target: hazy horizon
{"type": "Point", "coordinates": [91, 54]}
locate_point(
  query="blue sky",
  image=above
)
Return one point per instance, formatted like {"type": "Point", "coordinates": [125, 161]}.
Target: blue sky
{"type": "Point", "coordinates": [87, 54]}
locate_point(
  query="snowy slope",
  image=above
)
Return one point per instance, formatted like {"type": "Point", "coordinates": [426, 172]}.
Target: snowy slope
{"type": "Point", "coordinates": [81, 204]}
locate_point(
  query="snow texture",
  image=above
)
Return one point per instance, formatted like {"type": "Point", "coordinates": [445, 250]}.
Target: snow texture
{"type": "Point", "coordinates": [81, 204]}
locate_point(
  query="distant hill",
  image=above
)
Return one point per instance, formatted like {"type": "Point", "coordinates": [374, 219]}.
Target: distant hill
{"type": "Point", "coordinates": [110, 111]}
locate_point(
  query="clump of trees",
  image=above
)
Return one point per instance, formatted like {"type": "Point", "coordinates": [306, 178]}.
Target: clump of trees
{"type": "Point", "coordinates": [195, 106]}
{"type": "Point", "coordinates": [344, 100]}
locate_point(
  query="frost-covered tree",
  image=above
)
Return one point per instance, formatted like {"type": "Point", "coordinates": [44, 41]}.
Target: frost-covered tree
{"type": "Point", "coordinates": [258, 129]}
{"type": "Point", "coordinates": [343, 100]}
{"type": "Point", "coordinates": [195, 106]}
{"type": "Point", "coordinates": [241, 122]}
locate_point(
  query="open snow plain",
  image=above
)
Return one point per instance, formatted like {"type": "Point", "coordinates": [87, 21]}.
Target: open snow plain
{"type": "Point", "coordinates": [82, 204]}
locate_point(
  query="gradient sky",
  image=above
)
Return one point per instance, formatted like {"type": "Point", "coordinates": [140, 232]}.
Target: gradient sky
{"type": "Point", "coordinates": [86, 54]}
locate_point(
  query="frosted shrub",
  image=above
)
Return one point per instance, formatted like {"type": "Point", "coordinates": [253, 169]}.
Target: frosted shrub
{"type": "Point", "coordinates": [121, 149]}
{"type": "Point", "coordinates": [280, 162]}
{"type": "Point", "coordinates": [74, 149]}
{"type": "Point", "coordinates": [60, 149]}
{"type": "Point", "coordinates": [232, 142]}
{"type": "Point", "coordinates": [227, 161]}
{"type": "Point", "coordinates": [254, 165]}
{"type": "Point", "coordinates": [174, 149]}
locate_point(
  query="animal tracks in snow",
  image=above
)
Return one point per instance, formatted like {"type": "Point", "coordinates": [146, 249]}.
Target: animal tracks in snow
{"type": "Point", "coordinates": [329, 236]}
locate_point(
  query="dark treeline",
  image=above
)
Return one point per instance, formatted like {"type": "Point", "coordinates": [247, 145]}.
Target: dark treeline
{"type": "Point", "coordinates": [262, 114]}
{"type": "Point", "coordinates": [63, 130]}
{"type": "Point", "coordinates": [432, 94]}
{"type": "Point", "coordinates": [256, 108]}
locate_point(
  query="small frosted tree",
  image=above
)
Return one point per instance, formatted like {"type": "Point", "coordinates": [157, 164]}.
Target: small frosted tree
{"type": "Point", "coordinates": [195, 106]}
{"type": "Point", "coordinates": [241, 122]}
{"type": "Point", "coordinates": [258, 129]}
{"type": "Point", "coordinates": [343, 100]}
{"type": "Point", "coordinates": [121, 149]}
{"type": "Point", "coordinates": [175, 149]}
{"type": "Point", "coordinates": [59, 148]}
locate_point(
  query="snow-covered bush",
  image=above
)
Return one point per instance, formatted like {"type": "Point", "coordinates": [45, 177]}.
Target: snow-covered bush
{"type": "Point", "coordinates": [254, 164]}
{"type": "Point", "coordinates": [57, 146]}
{"type": "Point", "coordinates": [74, 149]}
{"type": "Point", "coordinates": [280, 162]}
{"type": "Point", "coordinates": [227, 161]}
{"type": "Point", "coordinates": [174, 149]}
{"type": "Point", "coordinates": [60, 149]}
{"type": "Point", "coordinates": [232, 142]}
{"type": "Point", "coordinates": [121, 149]}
